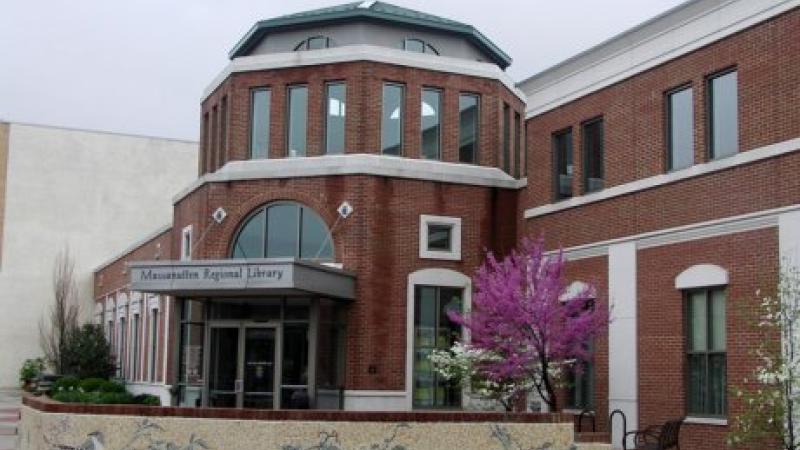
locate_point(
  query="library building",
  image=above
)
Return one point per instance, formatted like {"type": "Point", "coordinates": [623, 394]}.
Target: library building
{"type": "Point", "coordinates": [356, 163]}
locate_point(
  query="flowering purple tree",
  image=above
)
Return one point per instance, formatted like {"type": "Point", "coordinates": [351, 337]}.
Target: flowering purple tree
{"type": "Point", "coordinates": [526, 322]}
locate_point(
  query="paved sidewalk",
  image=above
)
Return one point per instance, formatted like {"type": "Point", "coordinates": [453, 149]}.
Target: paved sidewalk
{"type": "Point", "coordinates": [9, 418]}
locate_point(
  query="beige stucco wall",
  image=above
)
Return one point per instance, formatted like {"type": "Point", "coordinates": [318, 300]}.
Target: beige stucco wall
{"type": "Point", "coordinates": [93, 192]}
{"type": "Point", "coordinates": [3, 163]}
{"type": "Point", "coordinates": [43, 431]}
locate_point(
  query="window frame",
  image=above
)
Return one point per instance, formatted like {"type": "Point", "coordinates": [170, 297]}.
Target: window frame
{"type": "Point", "coordinates": [186, 246]}
{"type": "Point", "coordinates": [557, 197]}
{"type": "Point", "coordinates": [402, 106]}
{"type": "Point", "coordinates": [454, 254]}
{"type": "Point", "coordinates": [223, 131]}
{"type": "Point", "coordinates": [517, 144]}
{"type": "Point", "coordinates": [305, 44]}
{"type": "Point", "coordinates": [668, 125]}
{"type": "Point", "coordinates": [154, 341]}
{"type": "Point", "coordinates": [585, 151]}
{"type": "Point", "coordinates": [288, 117]}
{"type": "Point", "coordinates": [426, 46]}
{"type": "Point", "coordinates": [299, 244]}
{"type": "Point", "coordinates": [326, 115]}
{"type": "Point", "coordinates": [416, 294]}
{"type": "Point", "coordinates": [687, 294]}
{"type": "Point", "coordinates": [251, 122]}
{"type": "Point", "coordinates": [506, 134]}
{"type": "Point", "coordinates": [439, 113]}
{"type": "Point", "coordinates": [476, 150]}
{"type": "Point", "coordinates": [709, 104]}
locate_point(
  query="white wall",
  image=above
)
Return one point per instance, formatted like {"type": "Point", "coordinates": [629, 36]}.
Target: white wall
{"type": "Point", "coordinates": [94, 192]}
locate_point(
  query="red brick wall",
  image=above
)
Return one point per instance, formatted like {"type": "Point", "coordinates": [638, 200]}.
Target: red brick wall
{"type": "Point", "coordinates": [364, 99]}
{"type": "Point", "coordinates": [752, 261]}
{"type": "Point", "coordinates": [379, 242]}
{"type": "Point", "coordinates": [767, 57]}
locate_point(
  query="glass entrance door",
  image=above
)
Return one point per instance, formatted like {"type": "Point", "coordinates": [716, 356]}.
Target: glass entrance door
{"type": "Point", "coordinates": [242, 370]}
{"type": "Point", "coordinates": [259, 368]}
{"type": "Point", "coordinates": [224, 367]}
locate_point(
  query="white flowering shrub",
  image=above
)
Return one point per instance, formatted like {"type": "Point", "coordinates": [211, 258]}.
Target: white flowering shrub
{"type": "Point", "coordinates": [463, 364]}
{"type": "Point", "coordinates": [771, 399]}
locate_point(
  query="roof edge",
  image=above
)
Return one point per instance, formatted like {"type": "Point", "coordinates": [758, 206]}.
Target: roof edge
{"type": "Point", "coordinates": [261, 28]}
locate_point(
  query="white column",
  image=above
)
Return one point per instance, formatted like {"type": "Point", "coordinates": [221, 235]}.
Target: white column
{"type": "Point", "coordinates": [622, 338]}
{"type": "Point", "coordinates": [789, 253]}
{"type": "Point", "coordinates": [789, 238]}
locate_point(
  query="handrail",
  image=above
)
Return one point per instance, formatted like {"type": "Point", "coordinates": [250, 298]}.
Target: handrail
{"type": "Point", "coordinates": [624, 425]}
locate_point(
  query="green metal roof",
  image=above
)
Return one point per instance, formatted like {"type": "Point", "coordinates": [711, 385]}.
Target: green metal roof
{"type": "Point", "coordinates": [369, 10]}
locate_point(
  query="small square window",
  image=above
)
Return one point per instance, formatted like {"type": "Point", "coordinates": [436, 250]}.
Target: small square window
{"type": "Point", "coordinates": [440, 237]}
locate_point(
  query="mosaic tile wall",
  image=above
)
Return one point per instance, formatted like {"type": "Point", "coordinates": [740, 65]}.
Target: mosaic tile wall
{"type": "Point", "coordinates": [59, 431]}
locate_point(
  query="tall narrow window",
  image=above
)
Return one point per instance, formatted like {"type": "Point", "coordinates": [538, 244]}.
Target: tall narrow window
{"type": "Point", "coordinates": [260, 101]}
{"type": "Point", "coordinates": [392, 119]}
{"type": "Point", "coordinates": [593, 176]}
{"type": "Point", "coordinates": [186, 243]}
{"type": "Point", "coordinates": [336, 100]}
{"type": "Point", "coordinates": [433, 330]}
{"type": "Point", "coordinates": [706, 355]}
{"type": "Point", "coordinates": [723, 126]}
{"type": "Point", "coordinates": [206, 145]}
{"type": "Point", "coordinates": [223, 132]}
{"type": "Point", "coordinates": [506, 138]}
{"type": "Point", "coordinates": [153, 343]}
{"type": "Point", "coordinates": [517, 144]}
{"type": "Point", "coordinates": [563, 166]}
{"type": "Point", "coordinates": [468, 128]}
{"type": "Point", "coordinates": [431, 123]}
{"type": "Point", "coordinates": [122, 347]}
{"type": "Point", "coordinates": [580, 383]}
{"type": "Point", "coordinates": [298, 121]}
{"type": "Point", "coordinates": [214, 138]}
{"type": "Point", "coordinates": [190, 372]}
{"type": "Point", "coordinates": [680, 129]}
{"type": "Point", "coordinates": [136, 353]}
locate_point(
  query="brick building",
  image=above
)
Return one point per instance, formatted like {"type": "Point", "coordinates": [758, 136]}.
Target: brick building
{"type": "Point", "coordinates": [356, 161]}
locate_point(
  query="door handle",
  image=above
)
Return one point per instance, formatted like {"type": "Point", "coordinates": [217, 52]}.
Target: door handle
{"type": "Point", "coordinates": [238, 386]}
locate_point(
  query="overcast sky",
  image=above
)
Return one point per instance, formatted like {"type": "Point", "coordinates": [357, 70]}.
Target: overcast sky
{"type": "Point", "coordinates": [140, 66]}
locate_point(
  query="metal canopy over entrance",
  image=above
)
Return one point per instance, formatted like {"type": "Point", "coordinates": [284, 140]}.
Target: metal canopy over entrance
{"type": "Point", "coordinates": [241, 277]}
{"type": "Point", "coordinates": [255, 333]}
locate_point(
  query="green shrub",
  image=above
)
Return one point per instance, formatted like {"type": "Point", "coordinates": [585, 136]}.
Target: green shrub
{"type": "Point", "coordinates": [147, 399]}
{"type": "Point", "coordinates": [91, 384]}
{"type": "Point", "coordinates": [97, 398]}
{"type": "Point", "coordinates": [66, 384]}
{"type": "Point", "coordinates": [87, 353]}
{"type": "Point", "coordinates": [113, 386]}
{"type": "Point", "coordinates": [31, 369]}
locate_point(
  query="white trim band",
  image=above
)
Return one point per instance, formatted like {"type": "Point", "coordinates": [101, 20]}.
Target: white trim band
{"type": "Point", "coordinates": [372, 53]}
{"type": "Point", "coordinates": [696, 231]}
{"type": "Point", "coordinates": [677, 32]}
{"type": "Point", "coordinates": [358, 164]}
{"type": "Point", "coordinates": [706, 421]}
{"type": "Point", "coordinates": [740, 159]}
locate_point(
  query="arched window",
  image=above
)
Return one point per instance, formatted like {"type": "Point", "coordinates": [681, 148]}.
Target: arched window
{"type": "Point", "coordinates": [313, 43]}
{"type": "Point", "coordinates": [419, 46]}
{"type": "Point", "coordinates": [283, 230]}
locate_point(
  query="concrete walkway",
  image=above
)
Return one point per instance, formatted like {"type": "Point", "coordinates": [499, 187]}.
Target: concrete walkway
{"type": "Point", "coordinates": [9, 418]}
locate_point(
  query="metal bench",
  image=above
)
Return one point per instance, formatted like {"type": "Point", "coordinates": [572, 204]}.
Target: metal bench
{"type": "Point", "coordinates": [656, 437]}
